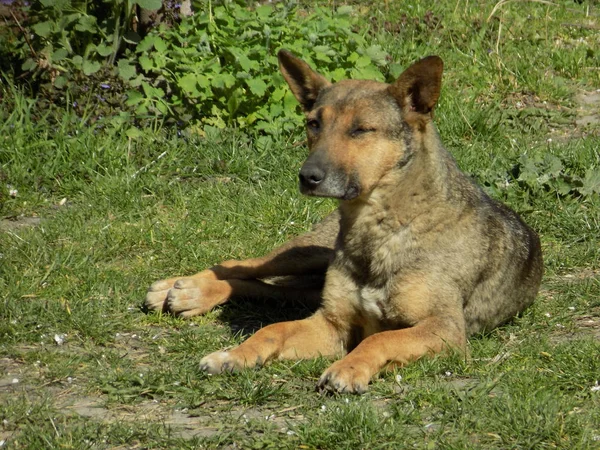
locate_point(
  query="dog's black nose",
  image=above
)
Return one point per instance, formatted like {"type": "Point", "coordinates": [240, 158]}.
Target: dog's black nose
{"type": "Point", "coordinates": [311, 176]}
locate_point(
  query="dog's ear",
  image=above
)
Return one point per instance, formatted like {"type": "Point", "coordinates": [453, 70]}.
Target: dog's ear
{"type": "Point", "coordinates": [418, 87]}
{"type": "Point", "coordinates": [304, 82]}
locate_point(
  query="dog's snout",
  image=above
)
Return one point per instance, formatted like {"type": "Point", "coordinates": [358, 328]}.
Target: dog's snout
{"type": "Point", "coordinates": [311, 176]}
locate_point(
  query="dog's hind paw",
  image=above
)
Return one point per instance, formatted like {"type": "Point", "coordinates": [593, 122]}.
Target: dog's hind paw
{"type": "Point", "coordinates": [188, 296]}
{"type": "Point", "coordinates": [156, 297]}
{"type": "Point", "coordinates": [219, 362]}
{"type": "Point", "coordinates": [193, 295]}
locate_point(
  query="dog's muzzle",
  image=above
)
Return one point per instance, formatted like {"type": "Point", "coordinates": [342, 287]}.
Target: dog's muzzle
{"type": "Point", "coordinates": [322, 179]}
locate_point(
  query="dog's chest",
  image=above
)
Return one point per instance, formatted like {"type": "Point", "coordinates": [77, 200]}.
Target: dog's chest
{"type": "Point", "coordinates": [376, 248]}
{"type": "Point", "coordinates": [375, 251]}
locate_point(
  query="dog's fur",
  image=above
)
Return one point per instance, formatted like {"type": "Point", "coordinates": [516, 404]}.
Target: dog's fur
{"type": "Point", "coordinates": [415, 259]}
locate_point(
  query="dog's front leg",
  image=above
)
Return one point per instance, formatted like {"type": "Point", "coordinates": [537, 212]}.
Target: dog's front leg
{"type": "Point", "coordinates": [353, 372]}
{"type": "Point", "coordinates": [300, 339]}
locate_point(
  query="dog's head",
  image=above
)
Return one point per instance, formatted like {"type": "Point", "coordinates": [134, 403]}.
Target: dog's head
{"type": "Point", "coordinates": [359, 130]}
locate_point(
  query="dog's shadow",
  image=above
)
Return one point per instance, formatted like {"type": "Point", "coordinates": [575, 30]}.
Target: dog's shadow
{"type": "Point", "coordinates": [246, 316]}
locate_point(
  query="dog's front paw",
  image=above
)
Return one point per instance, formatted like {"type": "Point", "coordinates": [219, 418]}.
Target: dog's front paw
{"type": "Point", "coordinates": [219, 362]}
{"type": "Point", "coordinates": [342, 376]}
{"type": "Point", "coordinates": [187, 296]}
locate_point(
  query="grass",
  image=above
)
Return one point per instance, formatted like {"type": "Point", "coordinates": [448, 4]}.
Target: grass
{"type": "Point", "coordinates": [110, 215]}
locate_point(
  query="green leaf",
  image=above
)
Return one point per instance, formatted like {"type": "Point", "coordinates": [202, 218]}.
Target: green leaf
{"type": "Point", "coordinates": [367, 73]}
{"type": "Point", "coordinates": [160, 45]}
{"type": "Point", "coordinates": [223, 80]}
{"type": "Point", "coordinates": [59, 55]}
{"type": "Point", "coordinates": [126, 70]}
{"type": "Point", "coordinates": [396, 69]}
{"type": "Point", "coordinates": [90, 67]}
{"type": "Point", "coordinates": [134, 97]}
{"type": "Point", "coordinates": [86, 24]}
{"type": "Point", "coordinates": [246, 63]}
{"type": "Point", "coordinates": [344, 10]}
{"type": "Point", "coordinates": [233, 102]}
{"type": "Point", "coordinates": [42, 29]}
{"type": "Point", "coordinates": [103, 49]}
{"type": "Point", "coordinates": [77, 61]}
{"type": "Point", "coordinates": [189, 85]}
{"type": "Point", "coordinates": [29, 65]}
{"type": "Point", "coordinates": [146, 44]}
{"type": "Point", "coordinates": [60, 82]}
{"type": "Point", "coordinates": [591, 182]}
{"type": "Point", "coordinates": [363, 61]}
{"type": "Point", "coordinates": [146, 63]}
{"type": "Point", "coordinates": [377, 55]}
{"type": "Point", "coordinates": [152, 5]}
{"type": "Point", "coordinates": [257, 86]}
{"type": "Point", "coordinates": [264, 11]}
{"type": "Point", "coordinates": [133, 133]}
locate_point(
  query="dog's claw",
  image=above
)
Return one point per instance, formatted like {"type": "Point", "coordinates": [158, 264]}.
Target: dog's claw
{"type": "Point", "coordinates": [218, 362]}
{"type": "Point", "coordinates": [344, 379]}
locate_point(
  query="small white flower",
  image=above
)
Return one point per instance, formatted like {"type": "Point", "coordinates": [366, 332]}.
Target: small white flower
{"type": "Point", "coordinates": [596, 387]}
{"type": "Point", "coordinates": [323, 407]}
{"type": "Point", "coordinates": [59, 339]}
{"type": "Point", "coordinates": [448, 373]}
{"type": "Point", "coordinates": [571, 308]}
{"type": "Point", "coordinates": [398, 378]}
{"type": "Point", "coordinates": [290, 433]}
{"type": "Point", "coordinates": [15, 380]}
{"type": "Point", "coordinates": [548, 315]}
{"type": "Point", "coordinates": [13, 193]}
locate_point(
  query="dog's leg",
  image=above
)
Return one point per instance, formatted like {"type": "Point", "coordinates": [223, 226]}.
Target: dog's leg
{"type": "Point", "coordinates": [191, 297]}
{"type": "Point", "coordinates": [309, 253]}
{"type": "Point", "coordinates": [353, 372]}
{"type": "Point", "coordinates": [298, 339]}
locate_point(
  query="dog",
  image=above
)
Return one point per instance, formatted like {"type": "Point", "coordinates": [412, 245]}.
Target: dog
{"type": "Point", "coordinates": [414, 260]}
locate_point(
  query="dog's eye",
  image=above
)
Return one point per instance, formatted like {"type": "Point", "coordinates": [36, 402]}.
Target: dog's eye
{"type": "Point", "coordinates": [359, 131]}
{"type": "Point", "coordinates": [313, 125]}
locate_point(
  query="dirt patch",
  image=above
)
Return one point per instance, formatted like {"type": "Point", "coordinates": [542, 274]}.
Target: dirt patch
{"type": "Point", "coordinates": [15, 223]}
{"type": "Point", "coordinates": [588, 111]}
{"type": "Point", "coordinates": [183, 423]}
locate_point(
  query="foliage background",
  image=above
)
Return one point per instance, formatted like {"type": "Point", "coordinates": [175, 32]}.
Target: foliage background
{"type": "Point", "coordinates": [177, 146]}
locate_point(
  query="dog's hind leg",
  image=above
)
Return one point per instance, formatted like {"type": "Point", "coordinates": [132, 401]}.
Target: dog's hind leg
{"type": "Point", "coordinates": [306, 256]}
{"type": "Point", "coordinates": [193, 296]}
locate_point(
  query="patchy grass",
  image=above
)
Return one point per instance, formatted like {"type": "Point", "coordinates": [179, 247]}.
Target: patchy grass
{"type": "Point", "coordinates": [97, 217]}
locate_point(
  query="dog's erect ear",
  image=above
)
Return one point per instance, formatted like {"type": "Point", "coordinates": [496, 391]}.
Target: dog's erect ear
{"type": "Point", "coordinates": [304, 82]}
{"type": "Point", "coordinates": [418, 87]}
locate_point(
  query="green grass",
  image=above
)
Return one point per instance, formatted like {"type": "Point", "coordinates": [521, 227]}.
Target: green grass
{"type": "Point", "coordinates": [126, 379]}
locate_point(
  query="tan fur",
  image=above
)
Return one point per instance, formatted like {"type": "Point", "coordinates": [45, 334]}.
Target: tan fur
{"type": "Point", "coordinates": [415, 259]}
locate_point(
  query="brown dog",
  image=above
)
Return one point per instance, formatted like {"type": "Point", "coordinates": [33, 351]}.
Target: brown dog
{"type": "Point", "coordinates": [415, 259]}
